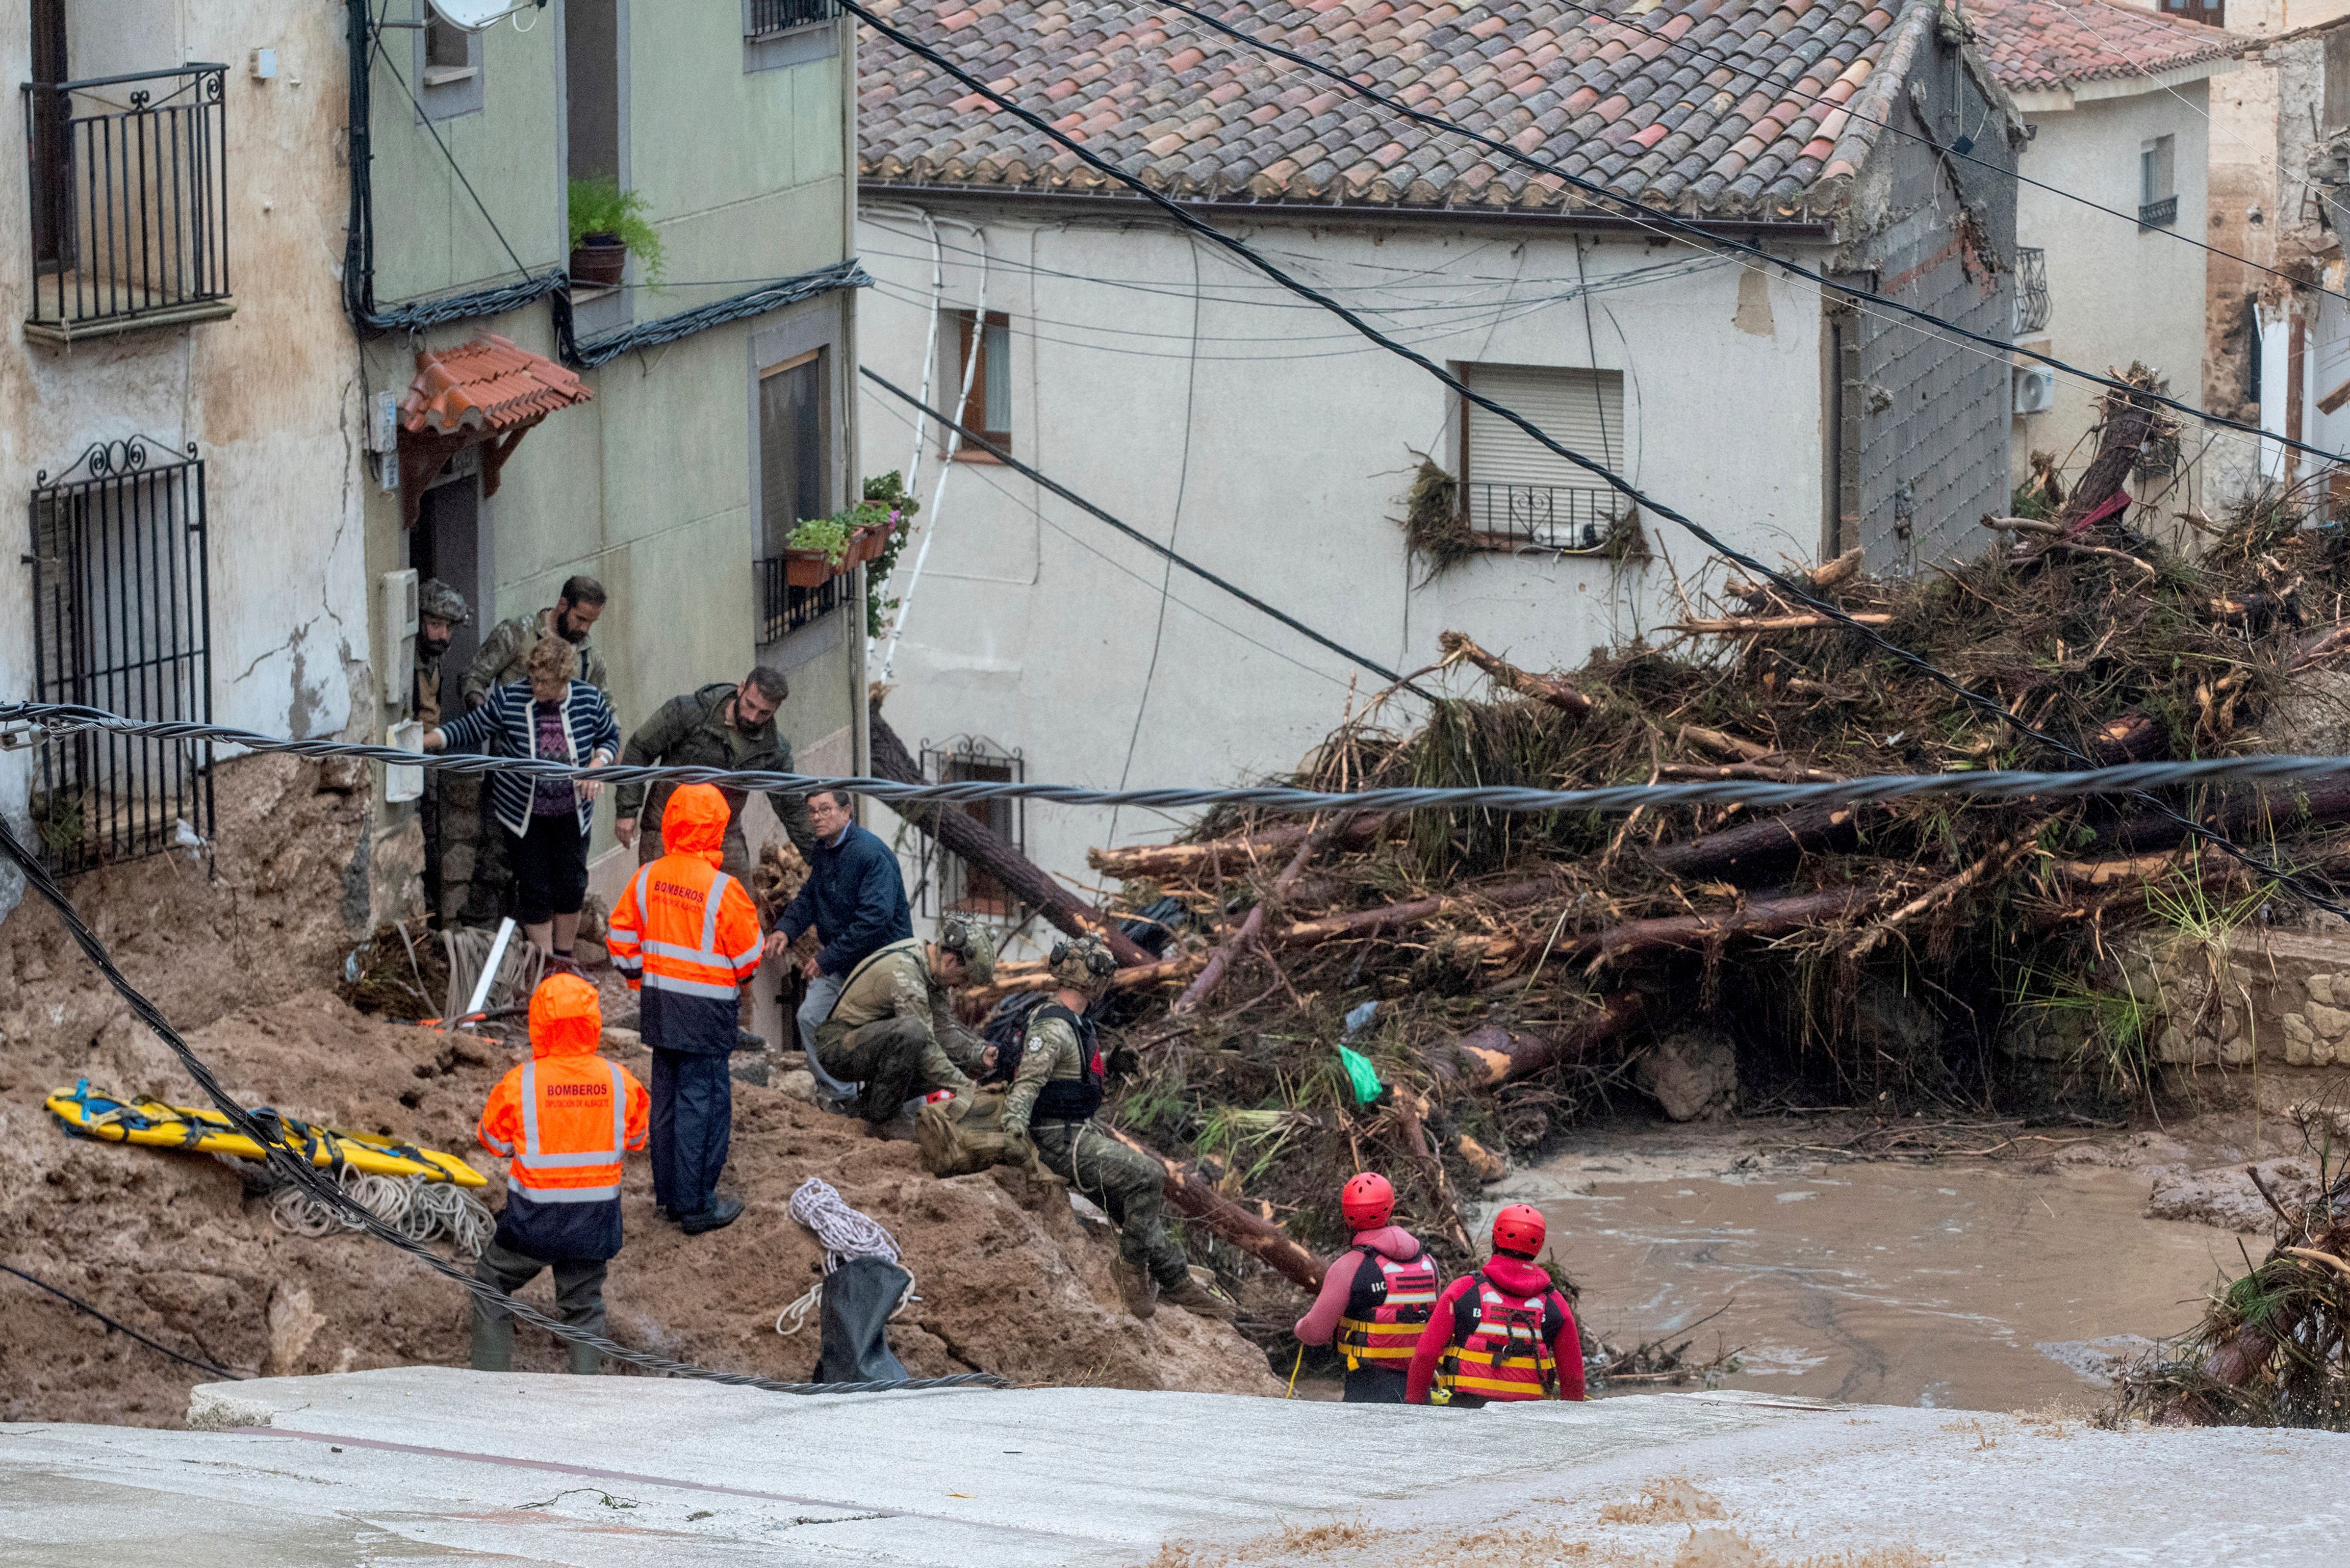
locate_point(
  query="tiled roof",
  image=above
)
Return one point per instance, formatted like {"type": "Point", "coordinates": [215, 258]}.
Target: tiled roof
{"type": "Point", "coordinates": [1656, 100]}
{"type": "Point", "coordinates": [490, 385]}
{"type": "Point", "coordinates": [2036, 46]}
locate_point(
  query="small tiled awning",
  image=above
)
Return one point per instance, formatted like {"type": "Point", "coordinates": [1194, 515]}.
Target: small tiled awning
{"type": "Point", "coordinates": [488, 392]}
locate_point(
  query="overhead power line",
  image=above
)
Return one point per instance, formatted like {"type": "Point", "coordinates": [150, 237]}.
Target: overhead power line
{"type": "Point", "coordinates": [1697, 232]}
{"type": "Point", "coordinates": [118, 1326]}
{"type": "Point", "coordinates": [1800, 592]}
{"type": "Point", "coordinates": [1873, 789]}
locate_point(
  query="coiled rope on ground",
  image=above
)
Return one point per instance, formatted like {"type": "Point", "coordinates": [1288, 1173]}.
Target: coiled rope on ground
{"type": "Point", "coordinates": [845, 1233]}
{"type": "Point", "coordinates": [418, 1209]}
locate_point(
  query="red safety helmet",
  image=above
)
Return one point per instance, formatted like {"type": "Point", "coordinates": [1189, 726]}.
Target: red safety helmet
{"type": "Point", "coordinates": [1520, 1230]}
{"type": "Point", "coordinates": [1366, 1201]}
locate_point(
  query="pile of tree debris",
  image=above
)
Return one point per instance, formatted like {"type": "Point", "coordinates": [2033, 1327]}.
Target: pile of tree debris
{"type": "Point", "coordinates": [1526, 966]}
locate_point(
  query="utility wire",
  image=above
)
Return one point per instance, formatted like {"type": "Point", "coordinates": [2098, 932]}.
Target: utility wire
{"type": "Point", "coordinates": [1869, 789]}
{"type": "Point", "coordinates": [1145, 540]}
{"type": "Point", "coordinates": [78, 1304]}
{"type": "Point", "coordinates": [1802, 593]}
{"type": "Point", "coordinates": [299, 1171]}
{"type": "Point", "coordinates": [1647, 216]}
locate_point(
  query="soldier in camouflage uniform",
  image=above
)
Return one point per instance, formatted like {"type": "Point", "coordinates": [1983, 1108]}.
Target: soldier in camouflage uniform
{"type": "Point", "coordinates": [719, 726]}
{"type": "Point", "coordinates": [440, 611]}
{"type": "Point", "coordinates": [894, 1028]}
{"type": "Point", "coordinates": [1054, 1092]}
{"type": "Point", "coordinates": [504, 652]}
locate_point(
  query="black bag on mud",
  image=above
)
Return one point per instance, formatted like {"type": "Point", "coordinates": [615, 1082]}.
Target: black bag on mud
{"type": "Point", "coordinates": [859, 1297]}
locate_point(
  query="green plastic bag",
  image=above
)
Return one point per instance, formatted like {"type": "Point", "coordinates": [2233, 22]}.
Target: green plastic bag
{"type": "Point", "coordinates": [1364, 1078]}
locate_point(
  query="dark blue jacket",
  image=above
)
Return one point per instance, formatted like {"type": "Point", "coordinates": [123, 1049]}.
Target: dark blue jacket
{"type": "Point", "coordinates": [856, 899]}
{"type": "Point", "coordinates": [505, 724]}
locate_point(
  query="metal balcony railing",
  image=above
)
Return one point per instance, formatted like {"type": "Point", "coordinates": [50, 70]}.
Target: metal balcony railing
{"type": "Point", "coordinates": [1540, 516]}
{"type": "Point", "coordinates": [761, 17]}
{"type": "Point", "coordinates": [128, 184]}
{"type": "Point", "coordinates": [2158, 215]}
{"type": "Point", "coordinates": [2031, 306]}
{"type": "Point", "coordinates": [784, 609]}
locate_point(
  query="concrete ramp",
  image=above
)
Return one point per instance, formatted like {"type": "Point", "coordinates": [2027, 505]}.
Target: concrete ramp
{"type": "Point", "coordinates": [432, 1465]}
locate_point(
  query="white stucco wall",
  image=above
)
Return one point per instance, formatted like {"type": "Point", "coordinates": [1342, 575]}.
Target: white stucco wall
{"type": "Point", "coordinates": [269, 396]}
{"type": "Point", "coordinates": [1277, 457]}
{"type": "Point", "coordinates": [2117, 293]}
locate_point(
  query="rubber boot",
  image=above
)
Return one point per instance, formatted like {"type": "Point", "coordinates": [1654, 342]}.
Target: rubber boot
{"type": "Point", "coordinates": [585, 1359]}
{"type": "Point", "coordinates": [1134, 1289]}
{"type": "Point", "coordinates": [1196, 1298]}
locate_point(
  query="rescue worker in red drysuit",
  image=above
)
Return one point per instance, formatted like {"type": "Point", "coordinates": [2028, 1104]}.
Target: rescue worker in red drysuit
{"type": "Point", "coordinates": [565, 1118]}
{"type": "Point", "coordinates": [685, 936]}
{"type": "Point", "coordinates": [1502, 1333]}
{"type": "Point", "coordinates": [1375, 1297]}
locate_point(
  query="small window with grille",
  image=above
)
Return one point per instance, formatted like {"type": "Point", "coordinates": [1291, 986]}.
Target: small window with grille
{"type": "Point", "coordinates": [946, 883]}
{"type": "Point", "coordinates": [1518, 493]}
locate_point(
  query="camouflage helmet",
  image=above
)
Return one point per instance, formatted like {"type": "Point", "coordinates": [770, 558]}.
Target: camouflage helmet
{"type": "Point", "coordinates": [972, 942]}
{"type": "Point", "coordinates": [1082, 963]}
{"type": "Point", "coordinates": [440, 600]}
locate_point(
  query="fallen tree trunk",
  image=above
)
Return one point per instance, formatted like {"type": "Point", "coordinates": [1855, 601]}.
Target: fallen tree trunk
{"type": "Point", "coordinates": [1212, 973]}
{"type": "Point", "coordinates": [980, 845]}
{"type": "Point", "coordinates": [1737, 626]}
{"type": "Point", "coordinates": [2239, 814]}
{"type": "Point", "coordinates": [1260, 1237]}
{"type": "Point", "coordinates": [1184, 862]}
{"type": "Point", "coordinates": [1458, 648]}
{"type": "Point", "coordinates": [1767, 842]}
{"type": "Point", "coordinates": [1489, 1056]}
{"type": "Point", "coordinates": [1761, 918]}
{"type": "Point", "coordinates": [2128, 420]}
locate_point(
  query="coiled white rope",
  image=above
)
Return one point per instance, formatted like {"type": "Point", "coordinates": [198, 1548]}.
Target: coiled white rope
{"type": "Point", "coordinates": [420, 1209]}
{"type": "Point", "coordinates": [845, 1233]}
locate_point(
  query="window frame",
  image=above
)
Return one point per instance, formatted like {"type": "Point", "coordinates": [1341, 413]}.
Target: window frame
{"type": "Point", "coordinates": [943, 879]}
{"type": "Point", "coordinates": [458, 91]}
{"type": "Point", "coordinates": [1615, 439]}
{"type": "Point", "coordinates": [985, 425]}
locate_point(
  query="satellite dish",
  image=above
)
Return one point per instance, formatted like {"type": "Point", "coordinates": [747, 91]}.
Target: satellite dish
{"type": "Point", "coordinates": [473, 15]}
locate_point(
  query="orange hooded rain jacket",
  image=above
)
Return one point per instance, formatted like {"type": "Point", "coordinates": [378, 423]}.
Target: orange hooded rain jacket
{"type": "Point", "coordinates": [564, 1118]}
{"type": "Point", "coordinates": [686, 935]}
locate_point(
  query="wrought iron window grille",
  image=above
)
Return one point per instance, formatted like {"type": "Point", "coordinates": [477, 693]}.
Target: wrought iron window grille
{"type": "Point", "coordinates": [2158, 215]}
{"type": "Point", "coordinates": [2031, 302]}
{"type": "Point", "coordinates": [763, 18]}
{"type": "Point", "coordinates": [128, 187]}
{"type": "Point", "coordinates": [1565, 518]}
{"type": "Point", "coordinates": [785, 610]}
{"type": "Point", "coordinates": [944, 883]}
{"type": "Point", "coordinates": [121, 620]}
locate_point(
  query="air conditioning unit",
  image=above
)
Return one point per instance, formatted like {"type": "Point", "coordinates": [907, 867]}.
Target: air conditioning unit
{"type": "Point", "coordinates": [395, 636]}
{"type": "Point", "coordinates": [2035, 389]}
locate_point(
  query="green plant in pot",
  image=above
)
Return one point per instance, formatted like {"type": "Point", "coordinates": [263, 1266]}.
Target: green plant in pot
{"type": "Point", "coordinates": [609, 226]}
{"type": "Point", "coordinates": [817, 550]}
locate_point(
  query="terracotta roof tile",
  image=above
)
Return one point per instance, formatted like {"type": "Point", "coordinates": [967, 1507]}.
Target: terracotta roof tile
{"type": "Point", "coordinates": [489, 385]}
{"type": "Point", "coordinates": [1638, 99]}
{"type": "Point", "coordinates": [2041, 44]}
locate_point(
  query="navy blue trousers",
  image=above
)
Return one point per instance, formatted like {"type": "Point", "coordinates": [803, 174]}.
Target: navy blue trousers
{"type": "Point", "coordinates": [692, 1123]}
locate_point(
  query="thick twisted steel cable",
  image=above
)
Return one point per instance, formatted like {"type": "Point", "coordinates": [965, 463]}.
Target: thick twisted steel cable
{"type": "Point", "coordinates": [1868, 789]}
{"type": "Point", "coordinates": [300, 1173]}
{"type": "Point", "coordinates": [1800, 592]}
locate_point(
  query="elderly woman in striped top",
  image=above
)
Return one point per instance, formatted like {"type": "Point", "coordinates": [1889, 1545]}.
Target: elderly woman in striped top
{"type": "Point", "coordinates": [551, 717]}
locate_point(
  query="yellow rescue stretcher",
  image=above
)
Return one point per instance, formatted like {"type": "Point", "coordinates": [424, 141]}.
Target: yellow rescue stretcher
{"type": "Point", "coordinates": [83, 1112]}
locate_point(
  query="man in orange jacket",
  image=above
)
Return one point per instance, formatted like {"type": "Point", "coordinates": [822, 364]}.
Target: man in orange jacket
{"type": "Point", "coordinates": [686, 938]}
{"type": "Point", "coordinates": [563, 1117]}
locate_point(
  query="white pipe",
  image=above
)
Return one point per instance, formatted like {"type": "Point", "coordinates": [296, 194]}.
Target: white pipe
{"type": "Point", "coordinates": [490, 969]}
{"type": "Point", "coordinates": [946, 464]}
{"type": "Point", "coordinates": [930, 354]}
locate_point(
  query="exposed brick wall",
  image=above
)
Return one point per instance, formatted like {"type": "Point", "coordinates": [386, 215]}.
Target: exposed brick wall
{"type": "Point", "coordinates": [1925, 418]}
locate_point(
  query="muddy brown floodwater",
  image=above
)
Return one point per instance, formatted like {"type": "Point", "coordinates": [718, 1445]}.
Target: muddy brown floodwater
{"type": "Point", "coordinates": [1963, 1284]}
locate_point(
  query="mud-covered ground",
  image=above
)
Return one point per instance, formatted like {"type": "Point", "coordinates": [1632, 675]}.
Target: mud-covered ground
{"type": "Point", "coordinates": [1010, 1278]}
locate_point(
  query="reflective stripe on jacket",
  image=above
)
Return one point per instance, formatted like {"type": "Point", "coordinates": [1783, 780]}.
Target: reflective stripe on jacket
{"type": "Point", "coordinates": [1389, 1302]}
{"type": "Point", "coordinates": [686, 935]}
{"type": "Point", "coordinates": [564, 1120]}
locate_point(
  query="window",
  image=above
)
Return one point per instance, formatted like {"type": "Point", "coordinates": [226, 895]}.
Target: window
{"type": "Point", "coordinates": [2211, 12]}
{"type": "Point", "coordinates": [765, 18]}
{"type": "Point", "coordinates": [2157, 197]}
{"type": "Point", "coordinates": [1517, 492]}
{"type": "Point", "coordinates": [594, 101]}
{"type": "Point", "coordinates": [448, 65]}
{"type": "Point", "coordinates": [121, 620]}
{"type": "Point", "coordinates": [946, 883]}
{"type": "Point", "coordinates": [988, 409]}
{"type": "Point", "coordinates": [792, 489]}
{"type": "Point", "coordinates": [2337, 81]}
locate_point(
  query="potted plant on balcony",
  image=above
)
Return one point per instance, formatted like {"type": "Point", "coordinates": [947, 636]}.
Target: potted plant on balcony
{"type": "Point", "coordinates": [607, 227]}
{"type": "Point", "coordinates": [816, 552]}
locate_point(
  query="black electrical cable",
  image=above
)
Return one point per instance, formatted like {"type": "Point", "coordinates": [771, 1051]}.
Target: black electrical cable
{"type": "Point", "coordinates": [119, 1327]}
{"type": "Point", "coordinates": [1635, 211]}
{"type": "Point", "coordinates": [303, 1174]}
{"type": "Point", "coordinates": [1799, 592]}
{"type": "Point", "coordinates": [1145, 540]}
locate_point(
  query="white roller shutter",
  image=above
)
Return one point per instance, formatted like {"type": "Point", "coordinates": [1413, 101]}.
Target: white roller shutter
{"type": "Point", "coordinates": [1582, 410]}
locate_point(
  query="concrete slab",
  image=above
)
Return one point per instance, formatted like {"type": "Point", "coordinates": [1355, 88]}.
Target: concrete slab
{"type": "Point", "coordinates": [432, 1465]}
